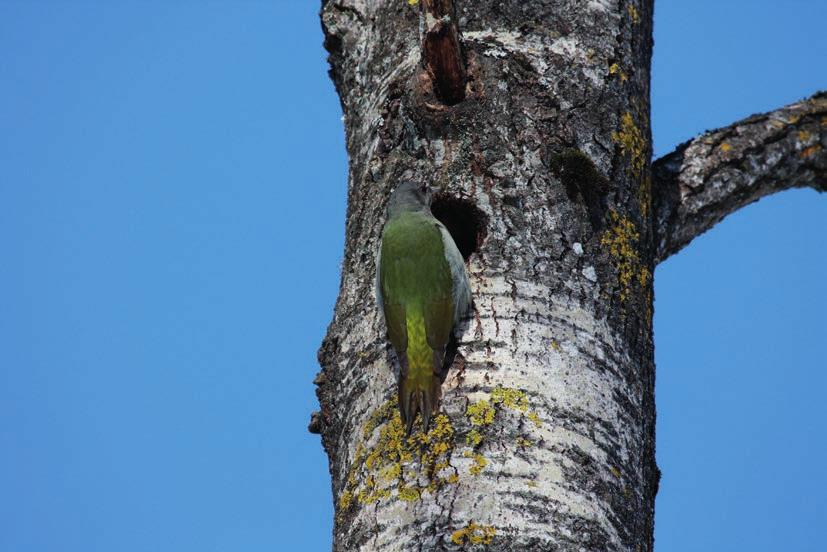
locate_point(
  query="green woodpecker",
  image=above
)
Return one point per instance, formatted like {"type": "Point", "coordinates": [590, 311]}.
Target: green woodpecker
{"type": "Point", "coordinates": [423, 290]}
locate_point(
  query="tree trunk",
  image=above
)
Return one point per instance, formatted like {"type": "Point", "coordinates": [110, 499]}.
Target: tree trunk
{"type": "Point", "coordinates": [531, 118]}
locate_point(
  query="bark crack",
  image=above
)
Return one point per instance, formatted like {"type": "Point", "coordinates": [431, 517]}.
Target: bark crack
{"type": "Point", "coordinates": [441, 51]}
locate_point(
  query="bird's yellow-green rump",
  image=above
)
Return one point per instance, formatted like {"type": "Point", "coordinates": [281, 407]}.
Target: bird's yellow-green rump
{"type": "Point", "coordinates": [423, 290]}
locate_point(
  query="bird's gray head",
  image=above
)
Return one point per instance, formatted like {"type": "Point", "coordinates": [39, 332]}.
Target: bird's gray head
{"type": "Point", "coordinates": [409, 196]}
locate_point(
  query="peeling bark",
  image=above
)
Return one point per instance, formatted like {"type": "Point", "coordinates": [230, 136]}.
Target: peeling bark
{"type": "Point", "coordinates": [545, 438]}
{"type": "Point", "coordinates": [723, 170]}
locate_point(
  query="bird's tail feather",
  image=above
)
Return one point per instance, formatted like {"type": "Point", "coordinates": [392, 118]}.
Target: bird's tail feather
{"type": "Point", "coordinates": [416, 398]}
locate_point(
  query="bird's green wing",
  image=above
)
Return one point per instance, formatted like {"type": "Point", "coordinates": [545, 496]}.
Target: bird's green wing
{"type": "Point", "coordinates": [414, 275]}
{"type": "Point", "coordinates": [395, 320]}
{"type": "Point", "coordinates": [439, 322]}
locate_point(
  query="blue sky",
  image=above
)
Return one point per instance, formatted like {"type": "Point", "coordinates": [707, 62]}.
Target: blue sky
{"type": "Point", "coordinates": [172, 178]}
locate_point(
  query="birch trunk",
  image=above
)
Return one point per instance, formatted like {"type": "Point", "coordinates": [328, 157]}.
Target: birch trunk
{"type": "Point", "coordinates": [545, 439]}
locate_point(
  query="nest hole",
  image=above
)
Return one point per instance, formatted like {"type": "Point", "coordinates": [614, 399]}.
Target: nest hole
{"type": "Point", "coordinates": [465, 222]}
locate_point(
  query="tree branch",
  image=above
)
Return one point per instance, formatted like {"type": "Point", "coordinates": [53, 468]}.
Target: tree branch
{"type": "Point", "coordinates": [711, 176]}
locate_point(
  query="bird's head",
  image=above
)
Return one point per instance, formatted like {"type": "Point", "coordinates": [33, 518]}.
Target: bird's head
{"type": "Point", "coordinates": [409, 196]}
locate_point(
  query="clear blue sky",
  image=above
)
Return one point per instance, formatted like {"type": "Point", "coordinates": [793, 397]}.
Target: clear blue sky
{"type": "Point", "coordinates": [172, 180]}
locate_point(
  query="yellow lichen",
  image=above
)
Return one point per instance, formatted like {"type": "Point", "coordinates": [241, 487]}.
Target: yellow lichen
{"type": "Point", "coordinates": [480, 413]}
{"type": "Point", "coordinates": [644, 275]}
{"type": "Point", "coordinates": [378, 417]}
{"type": "Point", "coordinates": [555, 345]}
{"type": "Point", "coordinates": [615, 471]}
{"type": "Point", "coordinates": [483, 413]}
{"type": "Point", "coordinates": [389, 464]}
{"type": "Point", "coordinates": [435, 447]}
{"type": "Point", "coordinates": [473, 438]}
{"type": "Point", "coordinates": [479, 462]}
{"type": "Point", "coordinates": [345, 499]}
{"type": "Point", "coordinates": [531, 483]}
{"type": "Point", "coordinates": [633, 13]}
{"type": "Point", "coordinates": [392, 472]}
{"type": "Point", "coordinates": [413, 2]}
{"type": "Point", "coordinates": [408, 494]}
{"type": "Point", "coordinates": [804, 136]}
{"type": "Point", "coordinates": [510, 398]}
{"type": "Point", "coordinates": [631, 143]}
{"type": "Point", "coordinates": [474, 534]}
{"type": "Point", "coordinates": [621, 238]}
{"type": "Point", "coordinates": [357, 459]}
{"type": "Point", "coordinates": [725, 147]}
{"type": "Point", "coordinates": [614, 69]}
{"type": "Point", "coordinates": [394, 459]}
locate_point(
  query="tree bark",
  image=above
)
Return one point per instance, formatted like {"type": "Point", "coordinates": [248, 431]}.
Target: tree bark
{"type": "Point", "coordinates": [720, 171]}
{"type": "Point", "coordinates": [545, 440]}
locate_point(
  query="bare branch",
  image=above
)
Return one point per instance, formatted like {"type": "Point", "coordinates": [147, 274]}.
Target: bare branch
{"type": "Point", "coordinates": [720, 171]}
